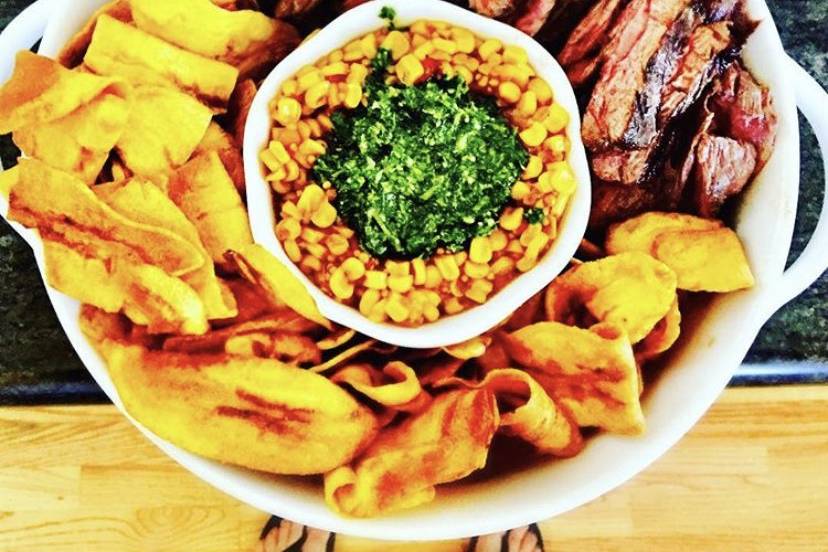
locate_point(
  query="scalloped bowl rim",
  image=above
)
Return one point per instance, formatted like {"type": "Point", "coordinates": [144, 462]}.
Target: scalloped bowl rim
{"type": "Point", "coordinates": [474, 321]}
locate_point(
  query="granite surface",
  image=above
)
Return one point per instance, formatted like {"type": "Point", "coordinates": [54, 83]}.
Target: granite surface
{"type": "Point", "coordinates": [37, 363]}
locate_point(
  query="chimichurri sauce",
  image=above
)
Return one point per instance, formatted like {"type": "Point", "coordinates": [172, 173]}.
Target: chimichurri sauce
{"type": "Point", "coordinates": [420, 167]}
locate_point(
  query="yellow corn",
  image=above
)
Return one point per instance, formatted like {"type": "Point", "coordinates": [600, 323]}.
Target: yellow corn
{"type": "Point", "coordinates": [288, 111]}
{"type": "Point", "coordinates": [447, 46]}
{"type": "Point", "coordinates": [289, 87]}
{"type": "Point", "coordinates": [528, 104]}
{"type": "Point", "coordinates": [353, 95]}
{"type": "Point", "coordinates": [279, 151]}
{"type": "Point", "coordinates": [340, 286]}
{"type": "Point", "coordinates": [336, 56]}
{"type": "Point", "coordinates": [431, 313]}
{"type": "Point", "coordinates": [520, 190]}
{"type": "Point", "coordinates": [511, 218]}
{"type": "Point", "coordinates": [374, 279]}
{"type": "Point", "coordinates": [377, 313]}
{"type": "Point", "coordinates": [489, 47]}
{"type": "Point", "coordinates": [266, 156]}
{"type": "Point", "coordinates": [397, 43]}
{"type": "Point", "coordinates": [310, 200]}
{"type": "Point", "coordinates": [420, 27]}
{"type": "Point", "coordinates": [395, 309]}
{"type": "Point", "coordinates": [476, 271]}
{"type": "Point", "coordinates": [357, 74]}
{"type": "Point", "coordinates": [289, 209]}
{"type": "Point", "coordinates": [291, 171]}
{"type": "Point", "coordinates": [401, 268]}
{"type": "Point", "coordinates": [368, 300]}
{"type": "Point", "coordinates": [337, 68]}
{"type": "Point", "coordinates": [541, 89]}
{"type": "Point", "coordinates": [479, 291]}
{"type": "Point", "coordinates": [453, 305]}
{"type": "Point", "coordinates": [317, 95]}
{"type": "Point", "coordinates": [325, 215]}
{"type": "Point", "coordinates": [288, 229]}
{"type": "Point", "coordinates": [498, 240]}
{"type": "Point", "coordinates": [534, 135]}
{"type": "Point", "coordinates": [409, 69]}
{"type": "Point", "coordinates": [447, 266]}
{"type": "Point", "coordinates": [464, 40]}
{"type": "Point", "coordinates": [533, 167]}
{"type": "Point", "coordinates": [465, 73]}
{"type": "Point", "coordinates": [502, 266]}
{"type": "Point", "coordinates": [401, 284]}
{"type": "Point", "coordinates": [557, 144]}
{"type": "Point", "coordinates": [354, 268]}
{"type": "Point", "coordinates": [508, 92]}
{"type": "Point", "coordinates": [337, 245]}
{"type": "Point", "coordinates": [292, 251]}
{"type": "Point", "coordinates": [556, 119]}
{"type": "Point", "coordinates": [310, 264]}
{"type": "Point", "coordinates": [419, 268]}
{"type": "Point", "coordinates": [433, 277]}
{"type": "Point", "coordinates": [315, 250]}
{"type": "Point", "coordinates": [312, 147]}
{"type": "Point", "coordinates": [561, 177]}
{"type": "Point", "coordinates": [480, 250]}
{"type": "Point", "coordinates": [368, 45]}
{"type": "Point", "coordinates": [309, 79]}
{"type": "Point", "coordinates": [515, 54]}
{"type": "Point", "coordinates": [312, 236]}
{"type": "Point", "coordinates": [423, 50]}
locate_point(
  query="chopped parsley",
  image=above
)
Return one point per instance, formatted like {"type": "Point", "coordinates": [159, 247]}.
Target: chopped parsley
{"type": "Point", "coordinates": [534, 215]}
{"type": "Point", "coordinates": [420, 167]}
{"type": "Point", "coordinates": [387, 12]}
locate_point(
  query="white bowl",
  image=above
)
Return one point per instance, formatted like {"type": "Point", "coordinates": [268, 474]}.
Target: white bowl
{"type": "Point", "coordinates": [686, 389]}
{"type": "Point", "coordinates": [475, 321]}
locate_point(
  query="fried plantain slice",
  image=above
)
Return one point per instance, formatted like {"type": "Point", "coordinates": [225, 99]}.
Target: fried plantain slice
{"type": "Point", "coordinates": [639, 233]}
{"type": "Point", "coordinates": [219, 140]}
{"type": "Point", "coordinates": [395, 385]}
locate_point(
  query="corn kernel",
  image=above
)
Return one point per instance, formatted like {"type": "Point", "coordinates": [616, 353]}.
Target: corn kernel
{"type": "Point", "coordinates": [288, 111]}
{"type": "Point", "coordinates": [479, 291]}
{"type": "Point", "coordinates": [423, 50]}
{"type": "Point", "coordinates": [312, 147]}
{"type": "Point", "coordinates": [291, 171]}
{"type": "Point", "coordinates": [279, 151]}
{"type": "Point", "coordinates": [354, 268]}
{"type": "Point", "coordinates": [325, 215]}
{"type": "Point", "coordinates": [368, 46]}
{"type": "Point", "coordinates": [353, 95]}
{"type": "Point", "coordinates": [508, 92]}
{"type": "Point", "coordinates": [336, 56]}
{"type": "Point", "coordinates": [419, 268]}
{"type": "Point", "coordinates": [317, 95]}
{"type": "Point", "coordinates": [337, 245]}
{"type": "Point", "coordinates": [409, 69]}
{"type": "Point", "coordinates": [561, 177]}
{"type": "Point", "coordinates": [541, 89]}
{"type": "Point", "coordinates": [502, 266]}
{"type": "Point", "coordinates": [420, 27]}
{"type": "Point", "coordinates": [310, 264]}
{"type": "Point", "coordinates": [292, 251]}
{"type": "Point", "coordinates": [433, 277]}
{"type": "Point", "coordinates": [511, 218]}
{"type": "Point", "coordinates": [394, 268]}
{"type": "Point", "coordinates": [464, 73]}
{"type": "Point", "coordinates": [374, 279]}
{"type": "Point", "coordinates": [378, 311]}
{"type": "Point", "coordinates": [357, 74]}
{"type": "Point", "coordinates": [340, 286]}
{"type": "Point", "coordinates": [520, 190]}
{"type": "Point", "coordinates": [368, 300]}
{"type": "Point", "coordinates": [528, 104]}
{"type": "Point", "coordinates": [489, 47]}
{"type": "Point", "coordinates": [397, 43]}
{"type": "Point", "coordinates": [310, 200]}
{"type": "Point", "coordinates": [498, 240]}
{"type": "Point", "coordinates": [289, 87]}
{"type": "Point", "coordinates": [309, 79]}
{"type": "Point", "coordinates": [529, 234]}
{"type": "Point", "coordinates": [338, 68]}
{"type": "Point", "coordinates": [288, 229]}
{"type": "Point", "coordinates": [515, 247]}
{"type": "Point", "coordinates": [312, 236]}
{"type": "Point", "coordinates": [460, 257]}
{"type": "Point", "coordinates": [315, 250]}
{"type": "Point", "coordinates": [533, 168]}
{"type": "Point", "coordinates": [476, 271]}
{"type": "Point", "coordinates": [401, 284]}
{"type": "Point", "coordinates": [556, 119]}
{"type": "Point", "coordinates": [515, 54]}
{"type": "Point", "coordinates": [266, 156]}
{"type": "Point", "coordinates": [431, 313]}
{"type": "Point", "coordinates": [453, 305]}
{"type": "Point", "coordinates": [289, 209]}
{"type": "Point", "coordinates": [447, 266]}
{"type": "Point", "coordinates": [480, 250]}
{"type": "Point", "coordinates": [534, 135]}
{"type": "Point", "coordinates": [395, 309]}
{"type": "Point", "coordinates": [525, 263]}
{"type": "Point", "coordinates": [447, 46]}
{"type": "Point", "coordinates": [557, 144]}
{"type": "Point", "coordinates": [463, 39]}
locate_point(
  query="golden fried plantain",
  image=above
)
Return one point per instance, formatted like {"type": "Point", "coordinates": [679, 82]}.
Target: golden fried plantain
{"type": "Point", "coordinates": [663, 336]}
{"type": "Point", "coordinates": [400, 469]}
{"type": "Point", "coordinates": [639, 233]}
{"type": "Point", "coordinates": [256, 413]}
{"type": "Point", "coordinates": [591, 372]}
{"type": "Point", "coordinates": [217, 139]}
{"type": "Point", "coordinates": [395, 385]}
{"type": "Point", "coordinates": [119, 49]}
{"type": "Point", "coordinates": [72, 53]}
{"type": "Point", "coordinates": [631, 290]}
{"type": "Point", "coordinates": [204, 191]}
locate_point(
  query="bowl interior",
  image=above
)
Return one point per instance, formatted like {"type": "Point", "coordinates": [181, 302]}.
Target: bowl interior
{"type": "Point", "coordinates": [470, 323]}
{"type": "Point", "coordinates": [692, 381]}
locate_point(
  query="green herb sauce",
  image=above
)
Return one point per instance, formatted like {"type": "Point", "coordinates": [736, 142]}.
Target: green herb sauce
{"type": "Point", "coordinates": [420, 167]}
{"type": "Point", "coordinates": [534, 215]}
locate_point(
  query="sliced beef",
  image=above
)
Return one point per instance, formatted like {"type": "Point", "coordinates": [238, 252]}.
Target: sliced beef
{"type": "Point", "coordinates": [534, 15]}
{"type": "Point", "coordinates": [493, 8]}
{"type": "Point", "coordinates": [636, 38]}
{"type": "Point", "coordinates": [733, 142]}
{"type": "Point", "coordinates": [580, 56]}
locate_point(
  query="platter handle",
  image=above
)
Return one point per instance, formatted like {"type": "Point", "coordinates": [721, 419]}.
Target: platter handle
{"type": "Point", "coordinates": [22, 33]}
{"type": "Point", "coordinates": [812, 101]}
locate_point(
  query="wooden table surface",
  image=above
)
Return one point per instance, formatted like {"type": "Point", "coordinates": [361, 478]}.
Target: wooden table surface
{"type": "Point", "coordinates": [753, 475]}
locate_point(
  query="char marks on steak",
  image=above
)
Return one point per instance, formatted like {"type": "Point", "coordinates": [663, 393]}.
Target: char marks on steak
{"type": "Point", "coordinates": [580, 56]}
{"type": "Point", "coordinates": [733, 142]}
{"type": "Point", "coordinates": [534, 16]}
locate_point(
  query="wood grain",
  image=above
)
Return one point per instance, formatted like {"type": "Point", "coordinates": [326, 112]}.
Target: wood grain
{"type": "Point", "coordinates": [753, 475]}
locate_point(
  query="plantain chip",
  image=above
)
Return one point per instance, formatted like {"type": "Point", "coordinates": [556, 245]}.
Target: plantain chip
{"type": "Point", "coordinates": [590, 372]}
{"type": "Point", "coordinates": [631, 290]}
{"type": "Point", "coordinates": [279, 284]}
{"type": "Point", "coordinates": [705, 260]}
{"type": "Point", "coordinates": [165, 126]}
{"type": "Point", "coordinates": [473, 348]}
{"type": "Point", "coordinates": [400, 469]}
{"type": "Point", "coordinates": [64, 209]}
{"type": "Point", "coordinates": [145, 203]}
{"type": "Point", "coordinates": [239, 108]}
{"type": "Point", "coordinates": [218, 140]}
{"type": "Point", "coordinates": [663, 336]}
{"type": "Point", "coordinates": [337, 338]}
{"type": "Point", "coordinates": [282, 345]}
{"type": "Point", "coordinates": [72, 53]}
{"type": "Point", "coordinates": [395, 385]}
{"type": "Point", "coordinates": [256, 413]}
{"type": "Point", "coordinates": [203, 190]}
{"type": "Point", "coordinates": [119, 49]}
{"type": "Point", "coordinates": [496, 355]}
{"type": "Point", "coordinates": [528, 412]}
{"type": "Point", "coordinates": [146, 294]}
{"type": "Point", "coordinates": [8, 179]}
{"type": "Point", "coordinates": [247, 39]}
{"type": "Point", "coordinates": [639, 233]}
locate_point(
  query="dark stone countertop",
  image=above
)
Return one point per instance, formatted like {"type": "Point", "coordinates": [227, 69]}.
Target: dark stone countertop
{"type": "Point", "coordinates": [37, 363]}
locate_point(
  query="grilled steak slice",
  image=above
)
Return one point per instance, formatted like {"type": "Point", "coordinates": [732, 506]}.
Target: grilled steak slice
{"type": "Point", "coordinates": [636, 39]}
{"type": "Point", "coordinates": [580, 55]}
{"type": "Point", "coordinates": [534, 15]}
{"type": "Point", "coordinates": [493, 8]}
{"type": "Point", "coordinates": [734, 141]}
